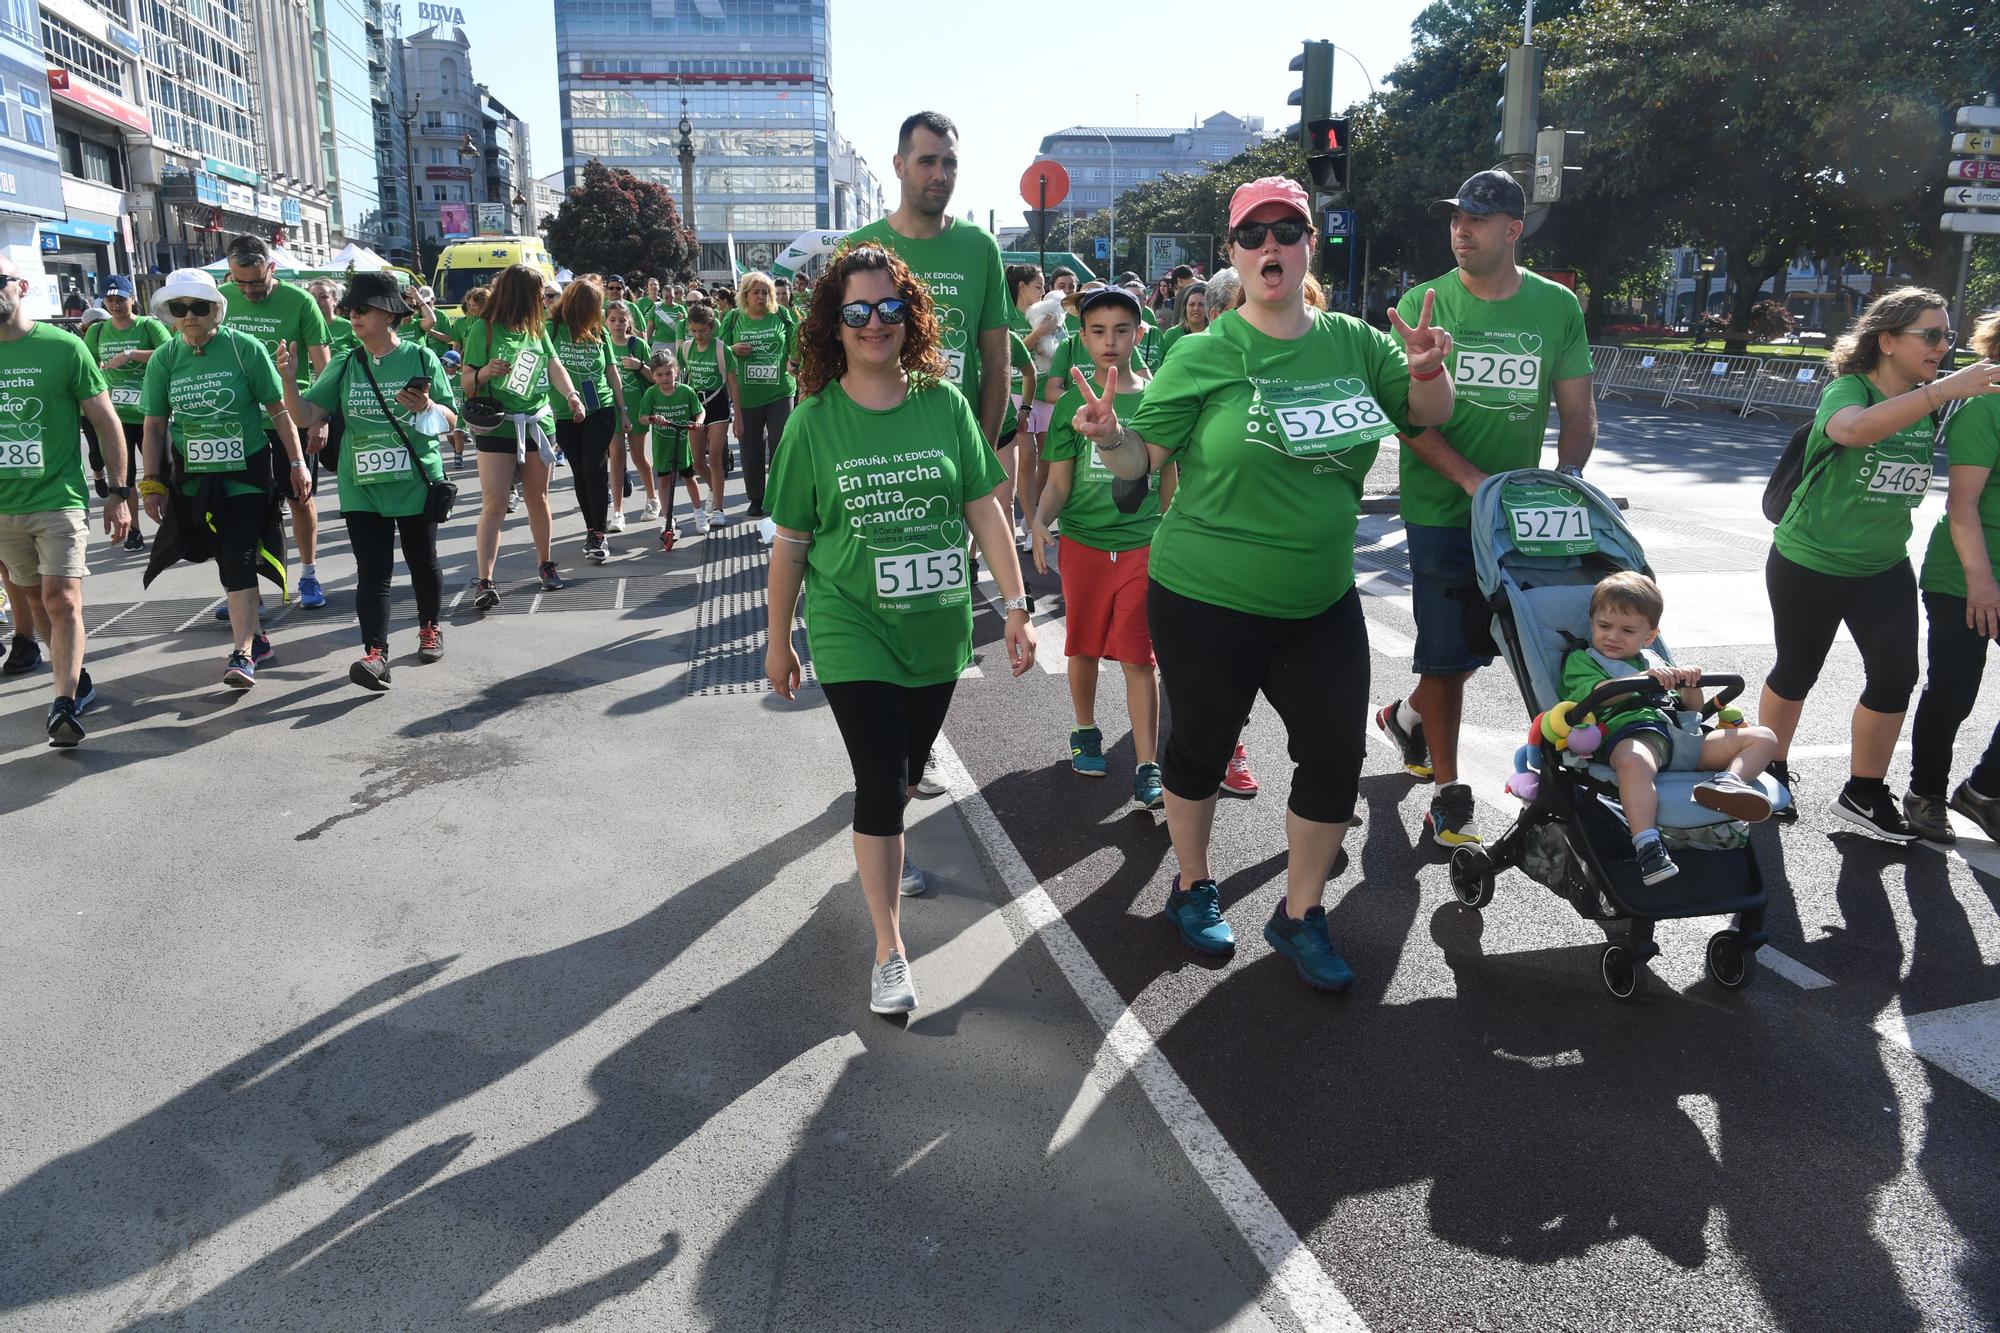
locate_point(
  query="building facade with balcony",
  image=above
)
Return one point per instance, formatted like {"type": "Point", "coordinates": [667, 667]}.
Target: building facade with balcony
{"type": "Point", "coordinates": [31, 185]}
{"type": "Point", "coordinates": [448, 136]}
{"type": "Point", "coordinates": [754, 78]}
{"type": "Point", "coordinates": [1105, 161]}
{"type": "Point", "coordinates": [506, 161]}
{"type": "Point", "coordinates": [388, 97]}
{"type": "Point", "coordinates": [342, 90]}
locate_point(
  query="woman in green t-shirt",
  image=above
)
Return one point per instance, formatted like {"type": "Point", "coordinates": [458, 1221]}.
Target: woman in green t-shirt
{"type": "Point", "coordinates": [630, 354]}
{"type": "Point", "coordinates": [1961, 589]}
{"type": "Point", "coordinates": [511, 363]}
{"type": "Point", "coordinates": [1274, 417]}
{"type": "Point", "coordinates": [764, 343]}
{"type": "Point", "coordinates": [385, 394]}
{"type": "Point", "coordinates": [206, 397]}
{"type": "Point", "coordinates": [1190, 316]}
{"type": "Point", "coordinates": [1840, 554]}
{"type": "Point", "coordinates": [588, 355]}
{"type": "Point", "coordinates": [883, 474]}
{"type": "Point", "coordinates": [711, 372]}
{"type": "Point", "coordinates": [123, 344]}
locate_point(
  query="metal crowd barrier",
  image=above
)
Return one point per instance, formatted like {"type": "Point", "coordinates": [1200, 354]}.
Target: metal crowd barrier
{"type": "Point", "coordinates": [1746, 384]}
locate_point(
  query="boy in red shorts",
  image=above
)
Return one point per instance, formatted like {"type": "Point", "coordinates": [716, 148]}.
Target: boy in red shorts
{"type": "Point", "coordinates": [1103, 553]}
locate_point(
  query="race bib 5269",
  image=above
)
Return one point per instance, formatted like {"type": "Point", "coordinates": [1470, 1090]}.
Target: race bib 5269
{"type": "Point", "coordinates": [1497, 370]}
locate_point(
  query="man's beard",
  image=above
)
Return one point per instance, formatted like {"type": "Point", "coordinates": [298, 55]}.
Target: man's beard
{"type": "Point", "coordinates": [10, 304]}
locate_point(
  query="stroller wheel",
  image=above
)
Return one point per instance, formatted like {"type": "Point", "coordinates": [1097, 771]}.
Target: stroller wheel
{"type": "Point", "coordinates": [1728, 960]}
{"type": "Point", "coordinates": [1620, 972]}
{"type": "Point", "coordinates": [1472, 877]}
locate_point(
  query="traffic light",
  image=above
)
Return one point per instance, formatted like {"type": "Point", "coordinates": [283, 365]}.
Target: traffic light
{"type": "Point", "coordinates": [1326, 153]}
{"type": "Point", "coordinates": [1314, 95]}
{"type": "Point", "coordinates": [1556, 173]}
{"type": "Point", "coordinates": [1520, 103]}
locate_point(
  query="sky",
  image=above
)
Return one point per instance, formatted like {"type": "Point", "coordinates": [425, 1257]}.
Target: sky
{"type": "Point", "coordinates": [1177, 61]}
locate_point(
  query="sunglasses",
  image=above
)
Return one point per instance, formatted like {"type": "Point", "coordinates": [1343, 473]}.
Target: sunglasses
{"type": "Point", "coordinates": [1250, 235]}
{"type": "Point", "coordinates": [855, 313]}
{"type": "Point", "coordinates": [199, 309]}
{"type": "Point", "coordinates": [1933, 336]}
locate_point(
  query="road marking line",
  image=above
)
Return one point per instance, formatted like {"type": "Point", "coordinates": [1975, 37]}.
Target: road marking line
{"type": "Point", "coordinates": [199, 616]}
{"type": "Point", "coordinates": [1963, 1041]}
{"type": "Point", "coordinates": [1792, 970]}
{"type": "Point", "coordinates": [1306, 1287]}
{"type": "Point", "coordinates": [618, 597]}
{"type": "Point", "coordinates": [536, 605]}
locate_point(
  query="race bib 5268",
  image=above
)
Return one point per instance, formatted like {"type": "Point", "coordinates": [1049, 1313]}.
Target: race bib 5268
{"type": "Point", "coordinates": [21, 458]}
{"type": "Point", "coordinates": [1308, 424]}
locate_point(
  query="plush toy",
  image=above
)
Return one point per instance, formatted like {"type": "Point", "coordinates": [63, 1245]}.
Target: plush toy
{"type": "Point", "coordinates": [1524, 781]}
{"type": "Point", "coordinates": [1584, 740]}
{"type": "Point", "coordinates": [1730, 717]}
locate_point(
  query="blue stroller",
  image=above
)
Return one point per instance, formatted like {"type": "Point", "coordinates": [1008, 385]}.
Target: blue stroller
{"type": "Point", "coordinates": [1541, 541]}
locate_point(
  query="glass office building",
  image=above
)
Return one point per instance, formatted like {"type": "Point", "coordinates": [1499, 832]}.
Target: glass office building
{"type": "Point", "coordinates": [347, 118]}
{"type": "Point", "coordinates": [755, 77]}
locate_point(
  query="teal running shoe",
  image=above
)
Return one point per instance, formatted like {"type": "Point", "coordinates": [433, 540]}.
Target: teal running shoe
{"type": "Point", "coordinates": [1197, 914]}
{"type": "Point", "coordinates": [1147, 793]}
{"type": "Point", "coordinates": [1310, 947]}
{"type": "Point", "coordinates": [1086, 752]}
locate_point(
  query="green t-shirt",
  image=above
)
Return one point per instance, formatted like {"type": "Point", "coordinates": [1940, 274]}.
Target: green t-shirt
{"type": "Point", "coordinates": [1020, 374]}
{"type": "Point", "coordinates": [213, 400]}
{"type": "Point", "coordinates": [44, 375]}
{"type": "Point", "coordinates": [635, 381]}
{"type": "Point", "coordinates": [339, 336]}
{"type": "Point", "coordinates": [590, 365]}
{"type": "Point", "coordinates": [1072, 353]}
{"type": "Point", "coordinates": [106, 340]}
{"type": "Point", "coordinates": [1170, 337]}
{"type": "Point", "coordinates": [1855, 518]}
{"type": "Point", "coordinates": [667, 324]}
{"type": "Point", "coordinates": [1146, 313]}
{"type": "Point", "coordinates": [1506, 359]}
{"type": "Point", "coordinates": [442, 329]}
{"type": "Point", "coordinates": [1090, 516]}
{"type": "Point", "coordinates": [888, 588]}
{"type": "Point", "coordinates": [699, 370]}
{"type": "Point", "coordinates": [1583, 673]}
{"type": "Point", "coordinates": [680, 407]}
{"type": "Point", "coordinates": [524, 389]}
{"type": "Point", "coordinates": [764, 376]}
{"type": "Point", "coordinates": [1274, 439]}
{"type": "Point", "coordinates": [961, 265]}
{"type": "Point", "coordinates": [1973, 440]}
{"type": "Point", "coordinates": [287, 314]}
{"type": "Point", "coordinates": [377, 475]}
{"type": "Point", "coordinates": [1151, 349]}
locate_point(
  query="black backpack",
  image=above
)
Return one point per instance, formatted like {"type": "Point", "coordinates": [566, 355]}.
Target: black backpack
{"type": "Point", "coordinates": [1793, 474]}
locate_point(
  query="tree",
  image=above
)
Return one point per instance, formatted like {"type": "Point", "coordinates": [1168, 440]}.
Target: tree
{"type": "Point", "coordinates": [615, 222]}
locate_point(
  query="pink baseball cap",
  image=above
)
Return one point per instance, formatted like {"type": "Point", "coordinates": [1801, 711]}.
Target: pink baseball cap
{"type": "Point", "coordinates": [1268, 190]}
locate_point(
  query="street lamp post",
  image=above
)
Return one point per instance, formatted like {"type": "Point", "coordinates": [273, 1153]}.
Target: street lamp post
{"type": "Point", "coordinates": [1707, 268]}
{"type": "Point", "coordinates": [410, 162]}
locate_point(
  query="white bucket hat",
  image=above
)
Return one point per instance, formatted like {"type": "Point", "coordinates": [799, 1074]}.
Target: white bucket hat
{"type": "Point", "coordinates": [188, 282]}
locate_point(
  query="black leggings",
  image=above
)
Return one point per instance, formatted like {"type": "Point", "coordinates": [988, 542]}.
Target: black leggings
{"type": "Point", "coordinates": [373, 537]}
{"type": "Point", "coordinates": [134, 438]}
{"type": "Point", "coordinates": [1957, 658]}
{"type": "Point", "coordinates": [1879, 610]}
{"type": "Point", "coordinates": [586, 446]}
{"type": "Point", "coordinates": [239, 530]}
{"type": "Point", "coordinates": [1214, 660]}
{"type": "Point", "coordinates": [760, 424]}
{"type": "Point", "coordinates": [888, 730]}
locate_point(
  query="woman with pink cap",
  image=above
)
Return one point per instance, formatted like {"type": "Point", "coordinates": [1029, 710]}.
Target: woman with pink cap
{"type": "Point", "coordinates": [1274, 416]}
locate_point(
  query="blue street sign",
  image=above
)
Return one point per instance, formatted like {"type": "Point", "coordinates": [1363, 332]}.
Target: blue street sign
{"type": "Point", "coordinates": [1339, 222]}
{"type": "Point", "coordinates": [1103, 247]}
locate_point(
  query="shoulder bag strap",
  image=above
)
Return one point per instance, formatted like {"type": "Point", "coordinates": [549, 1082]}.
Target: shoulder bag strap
{"type": "Point", "coordinates": [389, 413]}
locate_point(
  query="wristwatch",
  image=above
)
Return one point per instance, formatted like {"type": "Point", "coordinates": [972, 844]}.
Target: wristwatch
{"type": "Point", "coordinates": [118, 492]}
{"type": "Point", "coordinates": [1571, 470]}
{"type": "Point", "coordinates": [1016, 604]}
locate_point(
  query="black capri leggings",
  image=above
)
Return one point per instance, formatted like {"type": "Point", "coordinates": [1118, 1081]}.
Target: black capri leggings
{"type": "Point", "coordinates": [1214, 660]}
{"type": "Point", "coordinates": [763, 427]}
{"type": "Point", "coordinates": [1879, 610]}
{"type": "Point", "coordinates": [586, 446]}
{"type": "Point", "coordinates": [888, 730]}
{"type": "Point", "coordinates": [135, 436]}
{"type": "Point", "coordinates": [1957, 659]}
{"type": "Point", "coordinates": [373, 537]}
{"type": "Point", "coordinates": [239, 528]}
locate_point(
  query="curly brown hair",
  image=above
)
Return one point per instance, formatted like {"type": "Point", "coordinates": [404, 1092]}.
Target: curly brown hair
{"type": "Point", "coordinates": [822, 357]}
{"type": "Point", "coordinates": [1859, 350]}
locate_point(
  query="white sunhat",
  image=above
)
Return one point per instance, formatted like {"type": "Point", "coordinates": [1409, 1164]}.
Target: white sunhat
{"type": "Point", "coordinates": [189, 282]}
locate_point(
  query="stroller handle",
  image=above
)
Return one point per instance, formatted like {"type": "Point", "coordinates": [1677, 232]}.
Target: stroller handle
{"type": "Point", "coordinates": [1606, 691]}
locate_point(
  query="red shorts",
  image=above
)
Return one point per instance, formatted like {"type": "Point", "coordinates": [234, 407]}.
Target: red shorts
{"type": "Point", "coordinates": [1104, 603]}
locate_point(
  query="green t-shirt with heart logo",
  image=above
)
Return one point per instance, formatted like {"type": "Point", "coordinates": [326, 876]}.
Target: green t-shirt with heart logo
{"type": "Point", "coordinates": [213, 399]}
{"type": "Point", "coordinates": [883, 493]}
{"type": "Point", "coordinates": [1856, 517]}
{"type": "Point", "coordinates": [44, 375]}
{"type": "Point", "coordinates": [764, 376]}
{"type": "Point", "coordinates": [1274, 438]}
{"type": "Point", "coordinates": [286, 314]}
{"type": "Point", "coordinates": [703, 370]}
{"type": "Point", "coordinates": [525, 388]}
{"type": "Point", "coordinates": [1091, 516]}
{"type": "Point", "coordinates": [106, 340]}
{"type": "Point", "coordinates": [1972, 440]}
{"type": "Point", "coordinates": [961, 265]}
{"type": "Point", "coordinates": [378, 474]}
{"type": "Point", "coordinates": [1507, 357]}
{"type": "Point", "coordinates": [678, 406]}
{"type": "Point", "coordinates": [591, 366]}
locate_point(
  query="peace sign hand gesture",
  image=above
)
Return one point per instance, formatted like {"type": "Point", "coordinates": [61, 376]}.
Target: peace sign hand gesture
{"type": "Point", "coordinates": [1096, 420]}
{"type": "Point", "coordinates": [1425, 347]}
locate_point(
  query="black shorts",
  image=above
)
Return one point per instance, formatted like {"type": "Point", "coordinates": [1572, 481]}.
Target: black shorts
{"type": "Point", "coordinates": [278, 452]}
{"type": "Point", "coordinates": [1005, 440]}
{"type": "Point", "coordinates": [135, 437]}
{"type": "Point", "coordinates": [715, 408]}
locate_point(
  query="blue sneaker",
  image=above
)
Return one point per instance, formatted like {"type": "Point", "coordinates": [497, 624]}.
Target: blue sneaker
{"type": "Point", "coordinates": [1086, 752]}
{"type": "Point", "coordinates": [311, 596]}
{"type": "Point", "coordinates": [1197, 914]}
{"type": "Point", "coordinates": [222, 611]}
{"type": "Point", "coordinates": [86, 690]}
{"type": "Point", "coordinates": [1310, 947]}
{"type": "Point", "coordinates": [241, 673]}
{"type": "Point", "coordinates": [260, 649]}
{"type": "Point", "coordinates": [1147, 793]}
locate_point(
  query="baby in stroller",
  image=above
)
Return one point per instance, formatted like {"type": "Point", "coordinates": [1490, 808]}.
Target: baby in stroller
{"type": "Point", "coordinates": [1645, 735]}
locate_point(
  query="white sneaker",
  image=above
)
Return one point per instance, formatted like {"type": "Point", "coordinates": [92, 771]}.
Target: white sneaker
{"type": "Point", "coordinates": [701, 524]}
{"type": "Point", "coordinates": [717, 518]}
{"type": "Point", "coordinates": [890, 990]}
{"type": "Point", "coordinates": [651, 513]}
{"type": "Point", "coordinates": [616, 523]}
{"type": "Point", "coordinates": [932, 781]}
{"type": "Point", "coordinates": [513, 499]}
{"type": "Point", "coordinates": [913, 879]}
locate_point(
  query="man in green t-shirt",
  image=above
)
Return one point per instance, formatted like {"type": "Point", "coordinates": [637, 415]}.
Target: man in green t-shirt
{"type": "Point", "coordinates": [275, 312]}
{"type": "Point", "coordinates": [48, 382]}
{"type": "Point", "coordinates": [1518, 341]}
{"type": "Point", "coordinates": [959, 262]}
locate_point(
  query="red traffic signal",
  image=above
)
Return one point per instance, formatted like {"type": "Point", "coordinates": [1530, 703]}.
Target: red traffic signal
{"type": "Point", "coordinates": [1326, 152]}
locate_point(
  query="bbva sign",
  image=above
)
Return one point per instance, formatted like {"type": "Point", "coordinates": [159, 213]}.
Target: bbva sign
{"type": "Point", "coordinates": [429, 13]}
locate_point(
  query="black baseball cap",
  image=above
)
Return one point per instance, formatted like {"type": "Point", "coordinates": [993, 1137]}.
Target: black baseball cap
{"type": "Point", "coordinates": [618, 278]}
{"type": "Point", "coordinates": [1107, 296]}
{"type": "Point", "coordinates": [1487, 192]}
{"type": "Point", "coordinates": [381, 290]}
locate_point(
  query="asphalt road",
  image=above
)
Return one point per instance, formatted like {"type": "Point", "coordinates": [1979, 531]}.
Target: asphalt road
{"type": "Point", "coordinates": [530, 995]}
